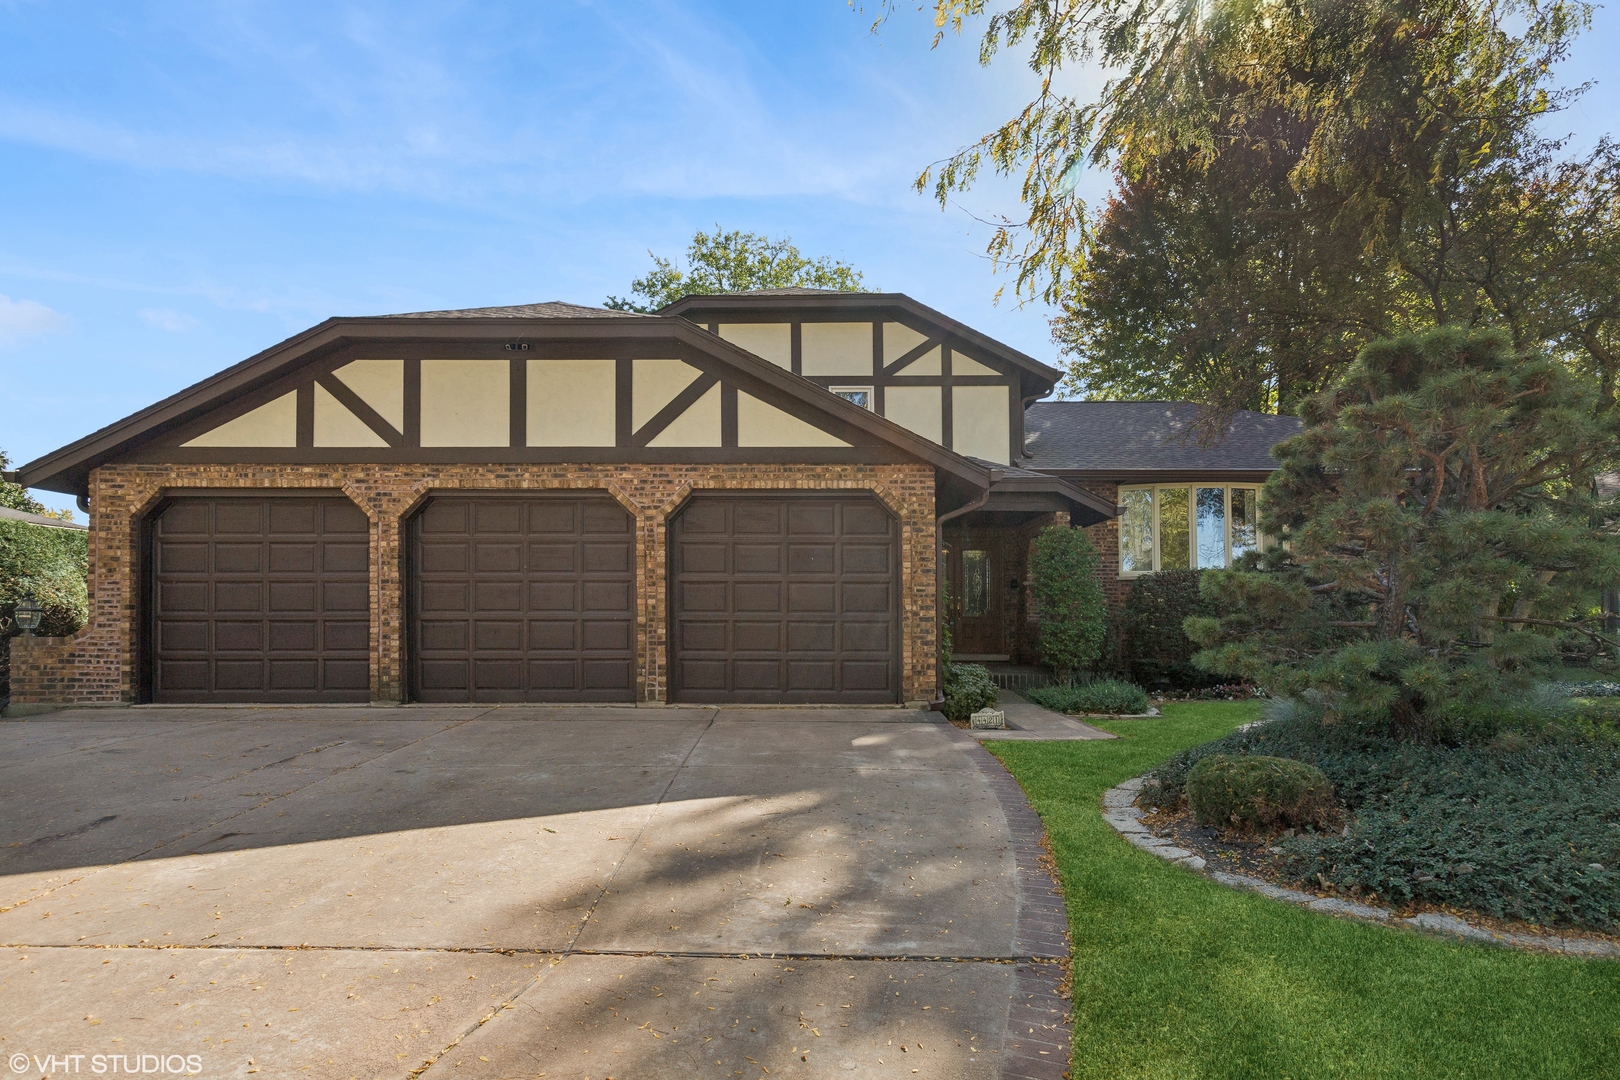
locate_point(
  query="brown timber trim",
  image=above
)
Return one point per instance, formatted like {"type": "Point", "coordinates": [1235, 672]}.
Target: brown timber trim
{"type": "Point", "coordinates": [947, 415]}
{"type": "Point", "coordinates": [306, 415]}
{"type": "Point", "coordinates": [912, 356]}
{"type": "Point", "coordinates": [413, 402]}
{"type": "Point", "coordinates": [518, 403]}
{"type": "Point", "coordinates": [796, 348]}
{"type": "Point", "coordinates": [669, 413]}
{"type": "Point", "coordinates": [728, 414]}
{"type": "Point", "coordinates": [357, 405]}
{"type": "Point", "coordinates": [624, 381]}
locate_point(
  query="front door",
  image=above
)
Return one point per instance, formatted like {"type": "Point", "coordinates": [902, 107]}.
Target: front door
{"type": "Point", "coordinates": [977, 627]}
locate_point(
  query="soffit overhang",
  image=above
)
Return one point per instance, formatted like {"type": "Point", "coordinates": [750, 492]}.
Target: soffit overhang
{"type": "Point", "coordinates": [67, 469]}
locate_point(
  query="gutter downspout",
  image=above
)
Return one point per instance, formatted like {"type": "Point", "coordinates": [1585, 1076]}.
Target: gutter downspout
{"type": "Point", "coordinates": [939, 558]}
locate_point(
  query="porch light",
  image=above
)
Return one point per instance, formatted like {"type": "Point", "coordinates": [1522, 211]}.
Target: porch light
{"type": "Point", "coordinates": [28, 614]}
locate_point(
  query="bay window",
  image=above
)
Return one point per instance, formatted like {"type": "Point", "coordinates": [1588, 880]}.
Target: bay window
{"type": "Point", "coordinates": [1182, 526]}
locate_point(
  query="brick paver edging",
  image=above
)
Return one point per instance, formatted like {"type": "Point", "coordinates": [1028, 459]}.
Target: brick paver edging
{"type": "Point", "coordinates": [1038, 1017]}
{"type": "Point", "coordinates": [1120, 811]}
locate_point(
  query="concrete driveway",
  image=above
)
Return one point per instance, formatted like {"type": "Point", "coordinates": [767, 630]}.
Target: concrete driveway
{"type": "Point", "coordinates": [518, 892]}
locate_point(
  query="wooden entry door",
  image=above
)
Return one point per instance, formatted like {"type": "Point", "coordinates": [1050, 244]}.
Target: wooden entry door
{"type": "Point", "coordinates": [978, 626]}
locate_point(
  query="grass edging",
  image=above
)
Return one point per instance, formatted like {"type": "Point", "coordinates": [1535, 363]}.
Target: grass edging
{"type": "Point", "coordinates": [1175, 975]}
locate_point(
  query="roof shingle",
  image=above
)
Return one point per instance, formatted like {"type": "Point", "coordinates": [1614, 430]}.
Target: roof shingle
{"type": "Point", "coordinates": [549, 309]}
{"type": "Point", "coordinates": [1137, 436]}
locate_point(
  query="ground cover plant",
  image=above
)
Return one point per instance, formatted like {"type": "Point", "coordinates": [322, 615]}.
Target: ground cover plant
{"type": "Point", "coordinates": [1523, 825]}
{"type": "Point", "coordinates": [1095, 696]}
{"type": "Point", "coordinates": [1175, 975]}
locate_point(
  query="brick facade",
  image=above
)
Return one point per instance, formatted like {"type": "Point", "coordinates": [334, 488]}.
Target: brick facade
{"type": "Point", "coordinates": [98, 665]}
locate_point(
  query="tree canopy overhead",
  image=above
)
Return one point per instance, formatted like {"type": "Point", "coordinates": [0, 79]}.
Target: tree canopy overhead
{"type": "Point", "coordinates": [722, 262]}
{"type": "Point", "coordinates": [1295, 179]}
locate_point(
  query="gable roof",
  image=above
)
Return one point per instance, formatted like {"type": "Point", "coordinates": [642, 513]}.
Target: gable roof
{"type": "Point", "coordinates": [68, 468]}
{"type": "Point", "coordinates": [1038, 378]}
{"type": "Point", "coordinates": [1146, 436]}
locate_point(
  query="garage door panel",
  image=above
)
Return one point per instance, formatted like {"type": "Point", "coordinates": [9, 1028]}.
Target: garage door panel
{"type": "Point", "coordinates": [350, 637]}
{"type": "Point", "coordinates": [812, 675]}
{"type": "Point", "coordinates": [812, 598]}
{"type": "Point", "coordinates": [552, 593]}
{"type": "Point", "coordinates": [243, 587]}
{"type": "Point", "coordinates": [439, 557]}
{"type": "Point", "coordinates": [177, 597]}
{"type": "Point", "coordinates": [812, 637]}
{"type": "Point", "coordinates": [488, 596]}
{"type": "Point", "coordinates": [756, 596]}
{"type": "Point", "coordinates": [866, 598]}
{"type": "Point", "coordinates": [866, 675]}
{"type": "Point", "coordinates": [284, 558]}
{"type": "Point", "coordinates": [245, 516]}
{"type": "Point", "coordinates": [238, 559]}
{"type": "Point", "coordinates": [605, 635]}
{"type": "Point", "coordinates": [868, 638]}
{"type": "Point", "coordinates": [287, 596]}
{"type": "Point", "coordinates": [344, 558]}
{"type": "Point", "coordinates": [438, 596]}
{"type": "Point", "coordinates": [552, 559]}
{"type": "Point", "coordinates": [607, 557]}
{"type": "Point", "coordinates": [239, 596]}
{"type": "Point", "coordinates": [498, 558]}
{"type": "Point", "coordinates": [779, 599]}
{"type": "Point", "coordinates": [812, 519]}
{"type": "Point", "coordinates": [489, 634]}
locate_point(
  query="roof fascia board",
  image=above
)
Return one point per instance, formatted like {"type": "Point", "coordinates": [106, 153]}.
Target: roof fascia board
{"type": "Point", "coordinates": [744, 302]}
{"type": "Point", "coordinates": [280, 359]}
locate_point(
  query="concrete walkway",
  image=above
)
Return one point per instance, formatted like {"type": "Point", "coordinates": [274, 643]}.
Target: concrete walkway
{"type": "Point", "coordinates": [594, 892]}
{"type": "Point", "coordinates": [1029, 721]}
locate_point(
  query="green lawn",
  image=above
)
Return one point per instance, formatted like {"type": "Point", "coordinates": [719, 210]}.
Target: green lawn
{"type": "Point", "coordinates": [1175, 976]}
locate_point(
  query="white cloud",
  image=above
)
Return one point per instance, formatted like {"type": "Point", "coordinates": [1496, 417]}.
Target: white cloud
{"type": "Point", "coordinates": [175, 322]}
{"type": "Point", "coordinates": [25, 318]}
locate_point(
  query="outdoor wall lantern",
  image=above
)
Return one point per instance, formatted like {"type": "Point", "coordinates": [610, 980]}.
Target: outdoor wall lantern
{"type": "Point", "coordinates": [28, 614]}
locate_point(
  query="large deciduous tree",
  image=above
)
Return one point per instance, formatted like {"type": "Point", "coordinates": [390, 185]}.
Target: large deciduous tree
{"type": "Point", "coordinates": [736, 261]}
{"type": "Point", "coordinates": [1294, 180]}
{"type": "Point", "coordinates": [1440, 533]}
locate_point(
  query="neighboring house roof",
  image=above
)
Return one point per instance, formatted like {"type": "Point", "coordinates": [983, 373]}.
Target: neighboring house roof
{"type": "Point", "coordinates": [1126, 437]}
{"type": "Point", "coordinates": [546, 309]}
{"type": "Point", "coordinates": [67, 469]}
{"type": "Point", "coordinates": [48, 522]}
{"type": "Point", "coordinates": [1038, 378]}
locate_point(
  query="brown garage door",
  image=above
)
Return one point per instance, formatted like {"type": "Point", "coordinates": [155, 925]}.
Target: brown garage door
{"type": "Point", "coordinates": [523, 599]}
{"type": "Point", "coordinates": [260, 599]}
{"type": "Point", "coordinates": [784, 599]}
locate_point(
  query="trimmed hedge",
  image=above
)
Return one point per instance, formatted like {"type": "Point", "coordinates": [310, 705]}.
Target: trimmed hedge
{"type": "Point", "coordinates": [1098, 696]}
{"type": "Point", "coordinates": [1157, 651]}
{"type": "Point", "coordinates": [1259, 793]}
{"type": "Point", "coordinates": [968, 688]}
{"type": "Point", "coordinates": [1522, 826]}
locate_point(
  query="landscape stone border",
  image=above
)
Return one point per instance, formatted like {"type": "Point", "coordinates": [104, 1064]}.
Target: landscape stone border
{"type": "Point", "coordinates": [1120, 811]}
{"type": "Point", "coordinates": [1038, 1016]}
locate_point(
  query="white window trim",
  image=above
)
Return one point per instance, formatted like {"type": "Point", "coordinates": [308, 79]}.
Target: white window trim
{"type": "Point", "coordinates": [869, 390]}
{"type": "Point", "coordinates": [1190, 487]}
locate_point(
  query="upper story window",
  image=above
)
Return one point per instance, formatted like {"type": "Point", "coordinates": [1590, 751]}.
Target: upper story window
{"type": "Point", "coordinates": [860, 395]}
{"type": "Point", "coordinates": [1182, 526]}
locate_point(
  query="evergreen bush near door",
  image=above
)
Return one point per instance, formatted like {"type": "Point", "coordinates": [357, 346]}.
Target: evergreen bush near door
{"type": "Point", "coordinates": [1157, 651]}
{"type": "Point", "coordinates": [1068, 598]}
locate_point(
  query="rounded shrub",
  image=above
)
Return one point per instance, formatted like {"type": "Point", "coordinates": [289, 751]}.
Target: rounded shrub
{"type": "Point", "coordinates": [968, 688]}
{"type": "Point", "coordinates": [1255, 793]}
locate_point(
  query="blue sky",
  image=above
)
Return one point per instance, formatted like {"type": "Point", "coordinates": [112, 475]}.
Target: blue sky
{"type": "Point", "coordinates": [183, 184]}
